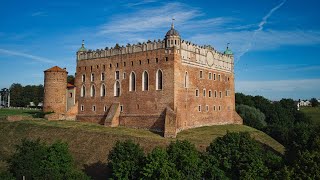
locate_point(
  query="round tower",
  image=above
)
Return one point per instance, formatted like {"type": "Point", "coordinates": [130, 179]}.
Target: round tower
{"type": "Point", "coordinates": [55, 85]}
{"type": "Point", "coordinates": [172, 38]}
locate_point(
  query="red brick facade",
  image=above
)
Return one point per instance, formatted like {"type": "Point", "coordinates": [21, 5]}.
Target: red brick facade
{"type": "Point", "coordinates": [165, 86]}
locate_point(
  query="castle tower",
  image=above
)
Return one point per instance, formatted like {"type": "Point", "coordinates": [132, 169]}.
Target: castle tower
{"type": "Point", "coordinates": [55, 85]}
{"type": "Point", "coordinates": [172, 38]}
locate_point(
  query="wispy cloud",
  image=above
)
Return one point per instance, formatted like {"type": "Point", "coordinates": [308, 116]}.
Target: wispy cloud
{"type": "Point", "coordinates": [30, 56]}
{"type": "Point", "coordinates": [39, 13]}
{"type": "Point", "coordinates": [149, 19]}
{"type": "Point", "coordinates": [260, 25]}
{"type": "Point", "coordinates": [280, 88]}
{"type": "Point", "coordinates": [265, 40]}
{"type": "Point", "coordinates": [140, 3]}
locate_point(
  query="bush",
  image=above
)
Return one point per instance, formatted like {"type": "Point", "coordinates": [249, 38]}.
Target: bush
{"type": "Point", "coordinates": [186, 159]}
{"type": "Point", "coordinates": [159, 166]}
{"type": "Point", "coordinates": [239, 156]}
{"type": "Point", "coordinates": [36, 160]}
{"type": "Point", "coordinates": [251, 116]}
{"type": "Point", "coordinates": [126, 159]}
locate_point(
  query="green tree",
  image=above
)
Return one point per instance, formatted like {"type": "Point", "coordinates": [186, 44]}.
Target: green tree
{"type": "Point", "coordinates": [186, 159]}
{"type": "Point", "coordinates": [70, 79]}
{"type": "Point", "coordinates": [239, 156]}
{"type": "Point", "coordinates": [306, 165]}
{"type": "Point", "coordinates": [158, 166]}
{"type": "Point", "coordinates": [126, 160]}
{"type": "Point", "coordinates": [16, 91]}
{"type": "Point", "coordinates": [251, 116]}
{"type": "Point", "coordinates": [36, 160]}
{"type": "Point", "coordinates": [314, 102]}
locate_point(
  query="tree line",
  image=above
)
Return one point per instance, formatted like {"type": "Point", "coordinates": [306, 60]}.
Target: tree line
{"type": "Point", "coordinates": [21, 96]}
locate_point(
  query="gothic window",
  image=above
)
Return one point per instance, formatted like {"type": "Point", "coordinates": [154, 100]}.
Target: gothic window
{"type": "Point", "coordinates": [117, 75]}
{"type": "Point", "coordinates": [102, 76]}
{"type": "Point", "coordinates": [199, 108]}
{"type": "Point", "coordinates": [215, 94]}
{"type": "Point", "coordinates": [83, 91]}
{"type": "Point", "coordinates": [82, 108]}
{"type": "Point", "coordinates": [83, 78]}
{"type": "Point", "coordinates": [201, 74]}
{"type": "Point", "coordinates": [145, 81]}
{"type": "Point", "coordinates": [186, 80]}
{"type": "Point", "coordinates": [117, 90]}
{"type": "Point", "coordinates": [132, 82]}
{"type": "Point", "coordinates": [157, 60]}
{"type": "Point", "coordinates": [103, 90]}
{"type": "Point", "coordinates": [207, 108]}
{"type": "Point", "coordinates": [159, 79]}
{"type": "Point", "coordinates": [219, 77]}
{"type": "Point", "coordinates": [214, 76]}
{"type": "Point", "coordinates": [124, 75]}
{"type": "Point", "coordinates": [220, 94]}
{"type": "Point", "coordinates": [93, 108]}
{"type": "Point", "coordinates": [197, 92]}
{"type": "Point", "coordinates": [92, 77]}
{"type": "Point", "coordinates": [210, 93]}
{"type": "Point", "coordinates": [210, 75]}
{"type": "Point", "coordinates": [204, 92]}
{"type": "Point", "coordinates": [92, 91]}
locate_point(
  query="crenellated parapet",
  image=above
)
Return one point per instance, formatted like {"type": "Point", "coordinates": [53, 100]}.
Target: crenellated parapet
{"type": "Point", "coordinates": [119, 50]}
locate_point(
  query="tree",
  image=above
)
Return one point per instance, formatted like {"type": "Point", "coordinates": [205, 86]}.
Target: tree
{"type": "Point", "coordinates": [70, 79]}
{"type": "Point", "coordinates": [126, 159]}
{"type": "Point", "coordinates": [186, 159]}
{"type": "Point", "coordinates": [314, 102]}
{"type": "Point", "coordinates": [158, 166]}
{"type": "Point", "coordinates": [251, 116]}
{"type": "Point", "coordinates": [239, 156]}
{"type": "Point", "coordinates": [36, 160]}
{"type": "Point", "coordinates": [16, 91]}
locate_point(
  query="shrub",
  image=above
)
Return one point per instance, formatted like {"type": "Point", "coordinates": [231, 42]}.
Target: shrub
{"type": "Point", "coordinates": [251, 116]}
{"type": "Point", "coordinates": [126, 159]}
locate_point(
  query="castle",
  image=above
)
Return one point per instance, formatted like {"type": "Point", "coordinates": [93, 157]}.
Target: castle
{"type": "Point", "coordinates": [167, 85]}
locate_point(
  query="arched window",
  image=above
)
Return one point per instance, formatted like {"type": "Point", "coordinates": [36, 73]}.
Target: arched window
{"type": "Point", "coordinates": [103, 90]}
{"type": "Point", "coordinates": [92, 77]}
{"type": "Point", "coordinates": [159, 80]}
{"type": "Point", "coordinates": [132, 82]}
{"type": "Point", "coordinates": [186, 80]}
{"type": "Point", "coordinates": [83, 91]}
{"type": "Point", "coordinates": [92, 91]}
{"type": "Point", "coordinates": [117, 89]}
{"type": "Point", "coordinates": [83, 78]}
{"type": "Point", "coordinates": [102, 76]}
{"type": "Point", "coordinates": [145, 81]}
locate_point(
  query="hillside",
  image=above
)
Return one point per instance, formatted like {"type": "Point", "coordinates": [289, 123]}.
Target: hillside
{"type": "Point", "coordinates": [313, 113]}
{"type": "Point", "coordinates": [90, 143]}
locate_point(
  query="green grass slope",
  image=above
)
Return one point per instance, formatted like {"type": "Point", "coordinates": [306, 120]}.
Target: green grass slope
{"type": "Point", "coordinates": [313, 113]}
{"type": "Point", "coordinates": [90, 143]}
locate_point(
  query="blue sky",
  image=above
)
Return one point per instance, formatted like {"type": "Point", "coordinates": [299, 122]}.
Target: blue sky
{"type": "Point", "coordinates": [276, 42]}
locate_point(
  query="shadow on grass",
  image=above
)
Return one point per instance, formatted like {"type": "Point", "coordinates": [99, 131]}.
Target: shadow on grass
{"type": "Point", "coordinates": [97, 171]}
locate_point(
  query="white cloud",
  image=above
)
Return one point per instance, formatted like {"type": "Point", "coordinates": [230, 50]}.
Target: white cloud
{"type": "Point", "coordinates": [30, 56]}
{"type": "Point", "coordinates": [150, 19]}
{"type": "Point", "coordinates": [39, 13]}
{"type": "Point", "coordinates": [140, 3]}
{"type": "Point", "coordinates": [265, 40]}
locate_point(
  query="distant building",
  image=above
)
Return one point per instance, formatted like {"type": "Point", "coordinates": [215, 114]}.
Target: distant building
{"type": "Point", "coordinates": [305, 103]}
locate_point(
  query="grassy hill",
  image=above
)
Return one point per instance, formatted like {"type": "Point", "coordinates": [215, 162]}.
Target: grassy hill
{"type": "Point", "coordinates": [90, 143]}
{"type": "Point", "coordinates": [313, 113]}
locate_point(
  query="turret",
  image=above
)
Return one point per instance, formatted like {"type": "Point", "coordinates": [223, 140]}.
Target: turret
{"type": "Point", "coordinates": [228, 51]}
{"type": "Point", "coordinates": [172, 37]}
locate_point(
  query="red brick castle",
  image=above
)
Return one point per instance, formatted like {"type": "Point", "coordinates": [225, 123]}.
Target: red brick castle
{"type": "Point", "coordinates": [167, 85]}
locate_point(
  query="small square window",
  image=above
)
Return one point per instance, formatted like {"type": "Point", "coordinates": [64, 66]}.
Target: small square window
{"type": "Point", "coordinates": [167, 59]}
{"type": "Point", "coordinates": [157, 60]}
